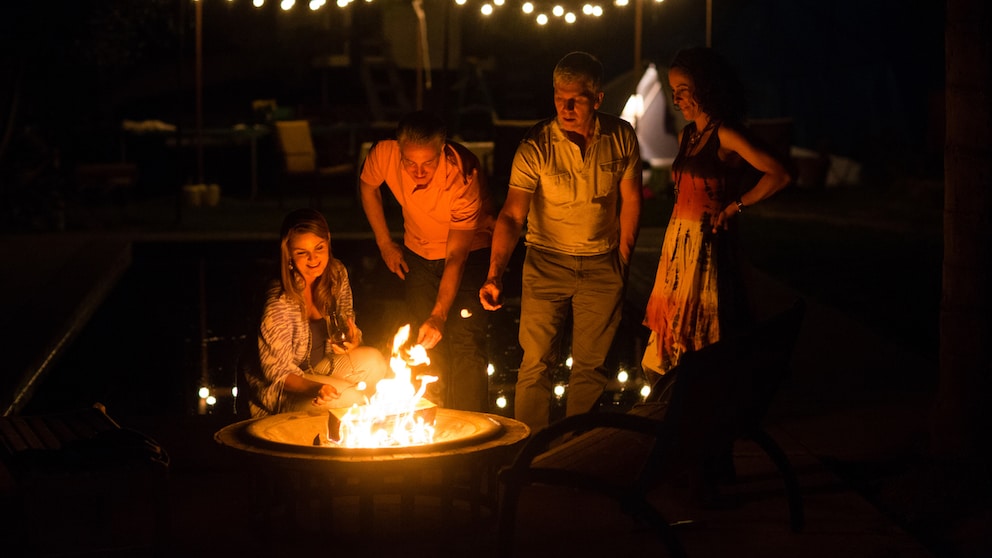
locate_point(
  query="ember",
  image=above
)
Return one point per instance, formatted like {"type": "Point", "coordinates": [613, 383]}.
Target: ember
{"type": "Point", "coordinates": [397, 415]}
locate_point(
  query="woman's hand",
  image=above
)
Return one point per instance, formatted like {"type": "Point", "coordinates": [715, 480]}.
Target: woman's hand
{"type": "Point", "coordinates": [722, 220]}
{"type": "Point", "coordinates": [342, 348]}
{"type": "Point", "coordinates": [354, 334]}
{"type": "Point", "coordinates": [325, 395]}
{"type": "Point", "coordinates": [354, 339]}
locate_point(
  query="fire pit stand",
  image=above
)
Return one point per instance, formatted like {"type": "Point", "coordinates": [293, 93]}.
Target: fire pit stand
{"type": "Point", "coordinates": [290, 474]}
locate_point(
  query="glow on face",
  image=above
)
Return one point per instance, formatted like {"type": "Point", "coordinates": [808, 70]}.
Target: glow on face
{"type": "Point", "coordinates": [682, 93]}
{"type": "Point", "coordinates": [309, 253]}
{"type": "Point", "coordinates": [576, 105]}
{"type": "Point", "coordinates": [420, 161]}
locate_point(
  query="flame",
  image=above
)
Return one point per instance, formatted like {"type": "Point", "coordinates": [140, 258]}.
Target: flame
{"type": "Point", "coordinates": [390, 417]}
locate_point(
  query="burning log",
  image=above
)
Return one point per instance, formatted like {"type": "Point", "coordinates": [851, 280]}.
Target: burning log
{"type": "Point", "coordinates": [423, 413]}
{"type": "Point", "coordinates": [396, 415]}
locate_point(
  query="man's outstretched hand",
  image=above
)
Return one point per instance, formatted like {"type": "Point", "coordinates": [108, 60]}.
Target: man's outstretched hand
{"type": "Point", "coordinates": [491, 294]}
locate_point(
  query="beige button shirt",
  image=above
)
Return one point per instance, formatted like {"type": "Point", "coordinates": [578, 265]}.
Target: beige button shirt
{"type": "Point", "coordinates": [576, 201]}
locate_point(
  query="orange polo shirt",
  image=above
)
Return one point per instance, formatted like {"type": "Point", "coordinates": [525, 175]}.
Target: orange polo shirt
{"type": "Point", "coordinates": [450, 201]}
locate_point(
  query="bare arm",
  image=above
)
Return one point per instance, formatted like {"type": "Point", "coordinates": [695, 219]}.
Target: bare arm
{"type": "Point", "coordinates": [392, 253]}
{"type": "Point", "coordinates": [773, 178]}
{"type": "Point", "coordinates": [458, 244]}
{"type": "Point", "coordinates": [630, 216]}
{"type": "Point", "coordinates": [322, 393]}
{"type": "Point", "coordinates": [509, 223]}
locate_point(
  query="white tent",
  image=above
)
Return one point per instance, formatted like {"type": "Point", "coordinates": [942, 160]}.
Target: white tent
{"type": "Point", "coordinates": [647, 109]}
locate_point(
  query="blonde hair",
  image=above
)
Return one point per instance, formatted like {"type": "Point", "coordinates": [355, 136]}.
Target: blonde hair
{"type": "Point", "coordinates": [296, 222]}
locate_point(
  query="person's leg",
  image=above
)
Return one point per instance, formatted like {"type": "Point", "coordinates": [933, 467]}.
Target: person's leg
{"type": "Point", "coordinates": [596, 312]}
{"type": "Point", "coordinates": [466, 355]}
{"type": "Point", "coordinates": [544, 305]}
{"type": "Point", "coordinates": [349, 395]}
{"type": "Point", "coordinates": [361, 364]}
{"type": "Point", "coordinates": [295, 403]}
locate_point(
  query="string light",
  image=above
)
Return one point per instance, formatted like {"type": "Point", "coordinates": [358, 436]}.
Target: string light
{"type": "Point", "coordinates": [487, 8]}
{"type": "Point", "coordinates": [593, 10]}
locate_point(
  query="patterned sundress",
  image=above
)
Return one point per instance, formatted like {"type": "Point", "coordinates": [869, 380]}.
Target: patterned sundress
{"type": "Point", "coordinates": [696, 294]}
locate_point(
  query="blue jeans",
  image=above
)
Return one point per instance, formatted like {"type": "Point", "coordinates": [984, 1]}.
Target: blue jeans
{"type": "Point", "coordinates": [590, 289]}
{"type": "Point", "coordinates": [461, 359]}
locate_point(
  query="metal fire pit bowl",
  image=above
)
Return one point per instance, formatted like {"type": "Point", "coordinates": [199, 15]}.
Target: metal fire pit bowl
{"type": "Point", "coordinates": [461, 464]}
{"type": "Point", "coordinates": [295, 432]}
{"type": "Point", "coordinates": [289, 437]}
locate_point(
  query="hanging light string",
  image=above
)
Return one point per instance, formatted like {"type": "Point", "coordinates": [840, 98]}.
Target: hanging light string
{"type": "Point", "coordinates": [542, 12]}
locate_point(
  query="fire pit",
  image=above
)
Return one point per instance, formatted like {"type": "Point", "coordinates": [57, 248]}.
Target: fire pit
{"type": "Point", "coordinates": [295, 432]}
{"type": "Point", "coordinates": [460, 465]}
{"type": "Point", "coordinates": [397, 443]}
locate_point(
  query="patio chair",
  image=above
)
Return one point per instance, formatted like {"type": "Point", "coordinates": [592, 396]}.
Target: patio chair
{"type": "Point", "coordinates": [719, 394]}
{"type": "Point", "coordinates": [301, 163]}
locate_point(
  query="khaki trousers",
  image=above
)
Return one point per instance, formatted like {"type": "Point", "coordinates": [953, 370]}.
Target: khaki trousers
{"type": "Point", "coordinates": [556, 287]}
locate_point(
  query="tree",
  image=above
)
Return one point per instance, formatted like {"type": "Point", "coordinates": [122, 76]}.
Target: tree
{"type": "Point", "coordinates": [962, 408]}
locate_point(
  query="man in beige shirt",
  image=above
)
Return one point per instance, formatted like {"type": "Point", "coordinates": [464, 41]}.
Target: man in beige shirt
{"type": "Point", "coordinates": [576, 182]}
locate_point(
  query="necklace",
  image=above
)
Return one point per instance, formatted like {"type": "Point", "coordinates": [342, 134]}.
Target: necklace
{"type": "Point", "coordinates": [696, 136]}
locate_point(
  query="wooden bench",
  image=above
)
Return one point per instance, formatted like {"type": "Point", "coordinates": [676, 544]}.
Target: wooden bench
{"type": "Point", "coordinates": [719, 394]}
{"type": "Point", "coordinates": [77, 483]}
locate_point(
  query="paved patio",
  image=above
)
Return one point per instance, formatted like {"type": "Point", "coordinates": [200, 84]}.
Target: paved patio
{"type": "Point", "coordinates": [845, 407]}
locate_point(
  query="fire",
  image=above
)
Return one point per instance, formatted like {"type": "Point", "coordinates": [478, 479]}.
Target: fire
{"type": "Point", "coordinates": [397, 415]}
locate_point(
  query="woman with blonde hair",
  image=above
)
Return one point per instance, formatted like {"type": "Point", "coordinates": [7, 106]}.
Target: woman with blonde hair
{"type": "Point", "coordinates": [310, 349]}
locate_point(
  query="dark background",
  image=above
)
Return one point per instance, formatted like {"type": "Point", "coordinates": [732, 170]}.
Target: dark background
{"type": "Point", "coordinates": [860, 79]}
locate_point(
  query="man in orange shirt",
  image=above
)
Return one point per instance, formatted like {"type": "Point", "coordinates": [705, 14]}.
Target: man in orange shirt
{"type": "Point", "coordinates": [448, 220]}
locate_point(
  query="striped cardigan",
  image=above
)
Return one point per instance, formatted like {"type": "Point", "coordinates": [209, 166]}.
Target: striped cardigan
{"type": "Point", "coordinates": [284, 340]}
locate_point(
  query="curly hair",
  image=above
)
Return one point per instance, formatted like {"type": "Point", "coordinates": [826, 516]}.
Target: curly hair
{"type": "Point", "coordinates": [717, 88]}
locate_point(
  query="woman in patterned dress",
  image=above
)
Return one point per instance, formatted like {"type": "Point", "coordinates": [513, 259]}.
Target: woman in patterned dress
{"type": "Point", "coordinates": [697, 295]}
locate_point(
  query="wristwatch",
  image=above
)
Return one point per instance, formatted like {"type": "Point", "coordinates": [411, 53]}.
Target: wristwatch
{"type": "Point", "coordinates": [740, 205]}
